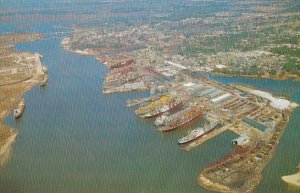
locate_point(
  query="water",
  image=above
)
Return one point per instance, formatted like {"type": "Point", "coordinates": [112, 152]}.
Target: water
{"type": "Point", "coordinates": [75, 139]}
{"type": "Point", "coordinates": [72, 138]}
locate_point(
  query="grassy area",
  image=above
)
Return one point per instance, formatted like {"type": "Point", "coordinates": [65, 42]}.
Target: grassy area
{"type": "Point", "coordinates": [285, 50]}
{"type": "Point", "coordinates": [292, 66]}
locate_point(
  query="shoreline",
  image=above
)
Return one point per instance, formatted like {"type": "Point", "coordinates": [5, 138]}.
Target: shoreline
{"type": "Point", "coordinates": [293, 179]}
{"type": "Point", "coordinates": [106, 89]}
{"type": "Point", "coordinates": [11, 93]}
{"type": "Point", "coordinates": [9, 142]}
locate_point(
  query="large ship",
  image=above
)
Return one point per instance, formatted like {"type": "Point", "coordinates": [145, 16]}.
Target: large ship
{"type": "Point", "coordinates": [161, 120]}
{"type": "Point", "coordinates": [18, 111]}
{"type": "Point", "coordinates": [122, 64]}
{"type": "Point", "coordinates": [171, 105]}
{"type": "Point", "coordinates": [150, 107]}
{"type": "Point", "coordinates": [182, 119]}
{"type": "Point", "coordinates": [166, 117]}
{"type": "Point", "coordinates": [141, 101]}
{"type": "Point", "coordinates": [197, 133]}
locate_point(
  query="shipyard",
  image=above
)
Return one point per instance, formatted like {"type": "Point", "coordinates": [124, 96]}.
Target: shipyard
{"type": "Point", "coordinates": [181, 97]}
{"type": "Point", "coordinates": [150, 96]}
{"type": "Point", "coordinates": [257, 117]}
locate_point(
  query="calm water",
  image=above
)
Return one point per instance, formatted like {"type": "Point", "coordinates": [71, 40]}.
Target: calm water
{"type": "Point", "coordinates": [74, 139]}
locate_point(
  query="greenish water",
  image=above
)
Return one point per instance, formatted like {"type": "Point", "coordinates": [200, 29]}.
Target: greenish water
{"type": "Point", "coordinates": [72, 138]}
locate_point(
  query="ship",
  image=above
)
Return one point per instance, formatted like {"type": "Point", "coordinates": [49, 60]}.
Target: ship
{"type": "Point", "coordinates": [166, 117]}
{"type": "Point", "coordinates": [160, 121]}
{"type": "Point", "coordinates": [18, 111]}
{"type": "Point", "coordinates": [131, 103]}
{"type": "Point", "coordinates": [197, 133]}
{"type": "Point", "coordinates": [44, 81]}
{"type": "Point", "coordinates": [122, 64]}
{"type": "Point", "coordinates": [150, 107]}
{"type": "Point", "coordinates": [183, 119]}
{"type": "Point", "coordinates": [173, 104]}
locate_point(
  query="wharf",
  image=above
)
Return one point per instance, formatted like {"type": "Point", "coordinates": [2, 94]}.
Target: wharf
{"type": "Point", "coordinates": [205, 138]}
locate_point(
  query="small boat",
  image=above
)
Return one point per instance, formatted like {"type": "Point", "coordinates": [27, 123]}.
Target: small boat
{"type": "Point", "coordinates": [44, 81]}
{"type": "Point", "coordinates": [18, 111]}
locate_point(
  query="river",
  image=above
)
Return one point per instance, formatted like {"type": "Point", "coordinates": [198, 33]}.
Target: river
{"type": "Point", "coordinates": [74, 139]}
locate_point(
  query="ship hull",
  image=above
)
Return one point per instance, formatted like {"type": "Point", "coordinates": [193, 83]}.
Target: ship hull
{"type": "Point", "coordinates": [195, 138]}
{"type": "Point", "coordinates": [147, 116]}
{"type": "Point", "coordinates": [185, 124]}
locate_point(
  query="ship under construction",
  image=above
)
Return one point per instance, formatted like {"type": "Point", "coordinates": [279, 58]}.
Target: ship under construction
{"type": "Point", "coordinates": [169, 106]}
{"type": "Point", "coordinates": [183, 119]}
{"type": "Point", "coordinates": [151, 107]}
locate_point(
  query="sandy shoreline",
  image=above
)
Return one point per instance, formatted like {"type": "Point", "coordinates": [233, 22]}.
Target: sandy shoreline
{"type": "Point", "coordinates": [292, 179]}
{"type": "Point", "coordinates": [9, 142]}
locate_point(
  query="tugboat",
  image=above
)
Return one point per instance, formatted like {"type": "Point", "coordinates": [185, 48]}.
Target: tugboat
{"type": "Point", "coordinates": [18, 111]}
